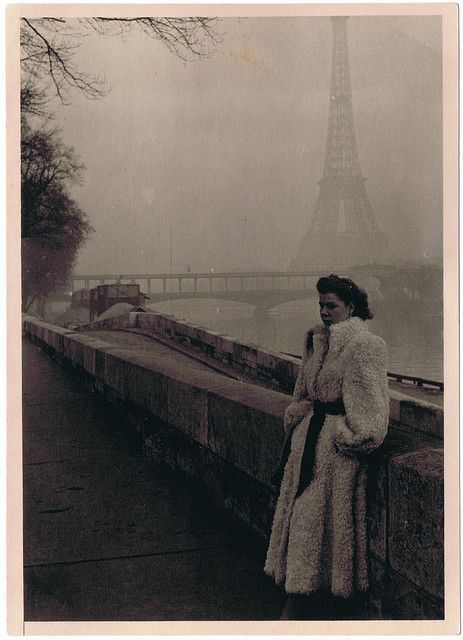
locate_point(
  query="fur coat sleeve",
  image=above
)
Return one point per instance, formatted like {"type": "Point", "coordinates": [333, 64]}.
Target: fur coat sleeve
{"type": "Point", "coordinates": [365, 396]}
{"type": "Point", "coordinates": [300, 405]}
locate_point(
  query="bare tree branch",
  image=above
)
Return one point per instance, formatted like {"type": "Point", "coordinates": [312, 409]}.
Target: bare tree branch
{"type": "Point", "coordinates": [48, 46]}
{"type": "Point", "coordinates": [47, 52]}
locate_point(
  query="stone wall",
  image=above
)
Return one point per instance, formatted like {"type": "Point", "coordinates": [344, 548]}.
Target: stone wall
{"type": "Point", "coordinates": [226, 436]}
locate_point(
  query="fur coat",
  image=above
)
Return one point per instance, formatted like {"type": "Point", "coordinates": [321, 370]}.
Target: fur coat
{"type": "Point", "coordinates": [319, 540]}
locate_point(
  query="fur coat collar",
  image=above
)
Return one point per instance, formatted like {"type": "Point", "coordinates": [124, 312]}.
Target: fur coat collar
{"type": "Point", "coordinates": [325, 348]}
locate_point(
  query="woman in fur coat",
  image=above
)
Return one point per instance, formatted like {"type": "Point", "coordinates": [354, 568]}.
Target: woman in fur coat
{"type": "Point", "coordinates": [338, 414]}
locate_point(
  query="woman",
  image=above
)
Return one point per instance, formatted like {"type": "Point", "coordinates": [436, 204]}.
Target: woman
{"type": "Point", "coordinates": [338, 414]}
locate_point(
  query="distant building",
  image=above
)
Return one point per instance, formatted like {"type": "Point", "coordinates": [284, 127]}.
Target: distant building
{"type": "Point", "coordinates": [105, 296]}
{"type": "Point", "coordinates": [80, 298]}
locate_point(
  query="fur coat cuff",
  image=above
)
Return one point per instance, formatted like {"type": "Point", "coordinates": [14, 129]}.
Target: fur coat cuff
{"type": "Point", "coordinates": [351, 444]}
{"type": "Point", "coordinates": [295, 413]}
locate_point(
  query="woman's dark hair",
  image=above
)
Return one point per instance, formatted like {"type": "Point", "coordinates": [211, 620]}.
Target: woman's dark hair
{"type": "Point", "coordinates": [348, 292]}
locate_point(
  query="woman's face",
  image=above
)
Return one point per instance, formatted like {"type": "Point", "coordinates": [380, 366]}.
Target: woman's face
{"type": "Point", "coordinates": [333, 309]}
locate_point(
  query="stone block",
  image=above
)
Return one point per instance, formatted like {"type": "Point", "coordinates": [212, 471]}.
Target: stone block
{"type": "Point", "coordinates": [39, 331]}
{"type": "Point", "coordinates": [224, 346]}
{"type": "Point", "coordinates": [422, 417]}
{"type": "Point", "coordinates": [248, 500]}
{"type": "Point", "coordinates": [267, 371]}
{"type": "Point", "coordinates": [187, 409]}
{"type": "Point", "coordinates": [157, 445]}
{"type": "Point", "coordinates": [394, 409]}
{"type": "Point", "coordinates": [377, 581]}
{"type": "Point", "coordinates": [245, 435]}
{"type": "Point", "coordinates": [377, 576]}
{"type": "Point", "coordinates": [100, 365]}
{"type": "Point", "coordinates": [145, 321]}
{"type": "Point", "coordinates": [400, 440]}
{"type": "Point", "coordinates": [245, 354]}
{"type": "Point", "coordinates": [165, 325]}
{"type": "Point", "coordinates": [74, 351]}
{"type": "Point", "coordinates": [433, 608]}
{"type": "Point", "coordinates": [188, 456]}
{"type": "Point", "coordinates": [115, 370]}
{"type": "Point", "coordinates": [265, 359]}
{"type": "Point", "coordinates": [402, 599]}
{"type": "Point", "coordinates": [156, 321]}
{"type": "Point", "coordinates": [416, 518]}
{"type": "Point", "coordinates": [199, 342]}
{"type": "Point", "coordinates": [147, 389]}
{"type": "Point", "coordinates": [207, 339]}
{"type": "Point", "coordinates": [188, 330]}
{"type": "Point", "coordinates": [118, 322]}
{"type": "Point", "coordinates": [85, 354]}
{"type": "Point", "coordinates": [377, 505]}
{"type": "Point", "coordinates": [133, 319]}
{"type": "Point", "coordinates": [46, 335]}
{"type": "Point", "coordinates": [57, 341]}
{"type": "Point", "coordinates": [284, 375]}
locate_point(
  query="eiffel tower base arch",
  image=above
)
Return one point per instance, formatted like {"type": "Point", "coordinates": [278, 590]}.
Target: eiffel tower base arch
{"type": "Point", "coordinates": [335, 252]}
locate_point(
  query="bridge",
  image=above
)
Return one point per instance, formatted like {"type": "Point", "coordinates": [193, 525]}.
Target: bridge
{"type": "Point", "coordinates": [263, 290]}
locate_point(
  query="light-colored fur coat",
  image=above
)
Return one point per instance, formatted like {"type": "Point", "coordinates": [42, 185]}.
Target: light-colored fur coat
{"type": "Point", "coordinates": [319, 540]}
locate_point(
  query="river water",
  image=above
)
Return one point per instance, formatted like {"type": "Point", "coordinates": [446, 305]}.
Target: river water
{"type": "Point", "coordinates": [414, 335]}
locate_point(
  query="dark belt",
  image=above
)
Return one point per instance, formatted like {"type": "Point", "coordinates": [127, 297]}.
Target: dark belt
{"type": "Point", "coordinates": [320, 411]}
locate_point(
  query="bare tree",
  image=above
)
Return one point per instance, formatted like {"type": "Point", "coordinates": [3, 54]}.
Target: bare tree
{"type": "Point", "coordinates": [48, 46]}
{"type": "Point", "coordinates": [52, 225]}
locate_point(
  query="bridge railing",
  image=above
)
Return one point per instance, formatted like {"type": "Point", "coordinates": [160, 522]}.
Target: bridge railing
{"type": "Point", "coordinates": [409, 283]}
{"type": "Point", "coordinates": [206, 282]}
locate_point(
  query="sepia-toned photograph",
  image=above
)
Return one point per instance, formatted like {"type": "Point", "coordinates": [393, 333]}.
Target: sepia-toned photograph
{"type": "Point", "coordinates": [233, 264]}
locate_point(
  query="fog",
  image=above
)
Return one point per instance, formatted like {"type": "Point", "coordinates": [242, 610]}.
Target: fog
{"type": "Point", "coordinates": [214, 163]}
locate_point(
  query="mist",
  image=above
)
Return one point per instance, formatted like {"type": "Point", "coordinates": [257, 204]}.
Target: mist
{"type": "Point", "coordinates": [214, 163]}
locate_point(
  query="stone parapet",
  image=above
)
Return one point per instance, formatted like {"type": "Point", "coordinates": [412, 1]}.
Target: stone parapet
{"type": "Point", "coordinates": [416, 518]}
{"type": "Point", "coordinates": [262, 364]}
{"type": "Point", "coordinates": [274, 369]}
{"type": "Point", "coordinates": [226, 435]}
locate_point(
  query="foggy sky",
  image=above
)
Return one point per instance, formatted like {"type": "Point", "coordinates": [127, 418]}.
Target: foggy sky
{"type": "Point", "coordinates": [225, 153]}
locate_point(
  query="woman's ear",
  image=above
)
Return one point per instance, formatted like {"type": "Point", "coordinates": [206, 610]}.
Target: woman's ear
{"type": "Point", "coordinates": [351, 308]}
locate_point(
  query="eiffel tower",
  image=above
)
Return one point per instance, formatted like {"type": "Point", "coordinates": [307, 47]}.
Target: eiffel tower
{"type": "Point", "coordinates": [343, 230]}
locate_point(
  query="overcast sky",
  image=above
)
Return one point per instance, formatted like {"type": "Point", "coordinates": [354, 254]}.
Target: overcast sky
{"type": "Point", "coordinates": [227, 151]}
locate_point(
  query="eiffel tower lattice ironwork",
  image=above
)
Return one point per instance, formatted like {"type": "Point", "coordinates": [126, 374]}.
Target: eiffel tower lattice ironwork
{"type": "Point", "coordinates": [343, 230]}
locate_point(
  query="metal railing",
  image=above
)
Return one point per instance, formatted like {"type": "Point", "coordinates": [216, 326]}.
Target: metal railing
{"type": "Point", "coordinates": [398, 377]}
{"type": "Point", "coordinates": [419, 382]}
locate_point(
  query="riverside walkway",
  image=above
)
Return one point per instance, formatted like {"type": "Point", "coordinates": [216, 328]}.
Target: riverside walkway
{"type": "Point", "coordinates": [109, 536]}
